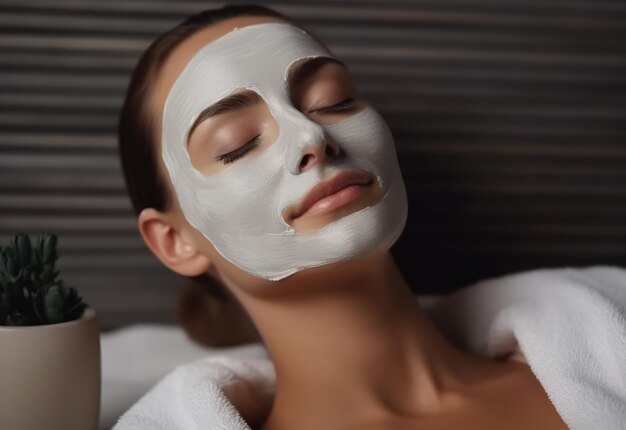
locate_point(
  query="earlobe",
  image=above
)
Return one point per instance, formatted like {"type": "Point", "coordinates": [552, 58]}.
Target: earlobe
{"type": "Point", "coordinates": [169, 246]}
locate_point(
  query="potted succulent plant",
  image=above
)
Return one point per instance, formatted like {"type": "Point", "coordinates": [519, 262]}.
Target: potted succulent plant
{"type": "Point", "coordinates": [50, 370]}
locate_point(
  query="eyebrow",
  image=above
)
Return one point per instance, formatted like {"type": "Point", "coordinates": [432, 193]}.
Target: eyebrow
{"type": "Point", "coordinates": [248, 98]}
{"type": "Point", "coordinates": [230, 103]}
{"type": "Point", "coordinates": [308, 68]}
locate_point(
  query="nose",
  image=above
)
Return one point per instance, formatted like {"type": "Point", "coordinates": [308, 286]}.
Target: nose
{"type": "Point", "coordinates": [313, 146]}
{"type": "Point", "coordinates": [317, 154]}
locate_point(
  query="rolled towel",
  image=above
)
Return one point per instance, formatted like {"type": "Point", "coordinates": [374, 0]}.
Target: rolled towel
{"type": "Point", "coordinates": [568, 324]}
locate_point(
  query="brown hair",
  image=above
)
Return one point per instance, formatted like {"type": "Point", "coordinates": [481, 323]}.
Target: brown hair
{"type": "Point", "coordinates": [147, 188]}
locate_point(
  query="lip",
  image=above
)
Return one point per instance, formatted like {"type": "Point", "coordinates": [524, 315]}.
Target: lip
{"type": "Point", "coordinates": [328, 187]}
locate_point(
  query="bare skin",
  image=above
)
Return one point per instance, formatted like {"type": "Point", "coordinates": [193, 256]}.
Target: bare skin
{"type": "Point", "coordinates": [350, 344]}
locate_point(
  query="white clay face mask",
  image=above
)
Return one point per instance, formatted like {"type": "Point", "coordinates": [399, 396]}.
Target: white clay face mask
{"type": "Point", "coordinates": [239, 209]}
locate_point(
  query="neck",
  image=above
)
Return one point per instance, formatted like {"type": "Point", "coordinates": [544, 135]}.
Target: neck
{"type": "Point", "coordinates": [350, 340]}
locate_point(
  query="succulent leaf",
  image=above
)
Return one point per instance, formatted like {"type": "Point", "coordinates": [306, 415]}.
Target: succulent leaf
{"type": "Point", "coordinates": [49, 243]}
{"type": "Point", "coordinates": [30, 293]}
{"type": "Point", "coordinates": [23, 249]}
{"type": "Point", "coordinates": [3, 258]}
{"type": "Point", "coordinates": [54, 297]}
{"type": "Point", "coordinates": [12, 267]}
{"type": "Point", "coordinates": [35, 259]}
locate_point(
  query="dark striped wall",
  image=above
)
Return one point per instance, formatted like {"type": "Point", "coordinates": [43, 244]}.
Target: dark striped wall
{"type": "Point", "coordinates": [509, 116]}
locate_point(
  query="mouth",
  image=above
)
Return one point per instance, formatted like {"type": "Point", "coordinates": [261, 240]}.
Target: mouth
{"type": "Point", "coordinates": [330, 194]}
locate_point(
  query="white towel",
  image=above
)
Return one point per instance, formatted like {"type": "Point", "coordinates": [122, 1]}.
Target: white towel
{"type": "Point", "coordinates": [137, 356]}
{"type": "Point", "coordinates": [569, 324]}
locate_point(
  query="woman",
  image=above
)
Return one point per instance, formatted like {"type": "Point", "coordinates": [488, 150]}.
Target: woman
{"type": "Point", "coordinates": [251, 156]}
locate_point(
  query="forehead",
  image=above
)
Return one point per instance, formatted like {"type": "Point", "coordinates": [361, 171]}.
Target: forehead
{"type": "Point", "coordinates": [255, 56]}
{"type": "Point", "coordinates": [184, 51]}
{"type": "Point", "coordinates": [179, 58]}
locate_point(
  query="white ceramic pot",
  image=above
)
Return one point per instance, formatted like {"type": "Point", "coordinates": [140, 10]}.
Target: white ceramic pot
{"type": "Point", "coordinates": [50, 375]}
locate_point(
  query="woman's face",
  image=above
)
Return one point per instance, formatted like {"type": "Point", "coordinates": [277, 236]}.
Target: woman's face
{"type": "Point", "coordinates": [255, 114]}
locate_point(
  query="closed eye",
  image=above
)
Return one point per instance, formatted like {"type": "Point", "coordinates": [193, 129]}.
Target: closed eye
{"type": "Point", "coordinates": [231, 156]}
{"type": "Point", "coordinates": [342, 106]}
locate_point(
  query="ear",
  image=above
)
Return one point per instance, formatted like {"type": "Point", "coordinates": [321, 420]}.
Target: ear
{"type": "Point", "coordinates": [169, 246]}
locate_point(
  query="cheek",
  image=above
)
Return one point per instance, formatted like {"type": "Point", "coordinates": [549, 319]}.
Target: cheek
{"type": "Point", "coordinates": [227, 271]}
{"type": "Point", "coordinates": [236, 207]}
{"type": "Point", "coordinates": [365, 137]}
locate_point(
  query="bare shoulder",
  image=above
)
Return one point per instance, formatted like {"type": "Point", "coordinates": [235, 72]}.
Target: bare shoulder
{"type": "Point", "coordinates": [514, 400]}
